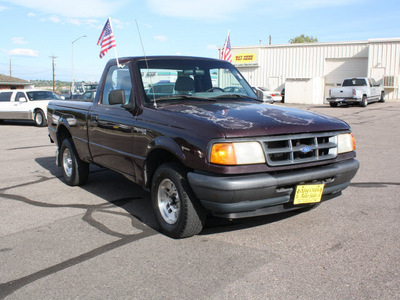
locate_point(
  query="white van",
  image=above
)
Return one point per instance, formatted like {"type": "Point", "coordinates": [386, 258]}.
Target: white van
{"type": "Point", "coordinates": [26, 105]}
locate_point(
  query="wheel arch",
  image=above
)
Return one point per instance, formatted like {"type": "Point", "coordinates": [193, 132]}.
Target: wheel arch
{"type": "Point", "coordinates": [157, 157]}
{"type": "Point", "coordinates": [62, 134]}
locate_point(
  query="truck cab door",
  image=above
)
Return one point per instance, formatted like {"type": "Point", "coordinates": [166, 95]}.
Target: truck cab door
{"type": "Point", "coordinates": [110, 129]}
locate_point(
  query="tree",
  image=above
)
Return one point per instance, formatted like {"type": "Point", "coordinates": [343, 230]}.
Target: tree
{"type": "Point", "coordinates": [303, 39]}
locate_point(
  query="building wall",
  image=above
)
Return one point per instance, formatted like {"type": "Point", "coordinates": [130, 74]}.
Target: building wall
{"type": "Point", "coordinates": [384, 58]}
{"type": "Point", "coordinates": [276, 63]}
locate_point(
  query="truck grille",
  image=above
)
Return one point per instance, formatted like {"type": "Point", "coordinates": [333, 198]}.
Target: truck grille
{"type": "Point", "coordinates": [299, 148]}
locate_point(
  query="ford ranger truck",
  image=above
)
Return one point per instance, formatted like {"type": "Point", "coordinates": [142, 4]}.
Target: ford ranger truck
{"type": "Point", "coordinates": [359, 91]}
{"type": "Point", "coordinates": [176, 126]}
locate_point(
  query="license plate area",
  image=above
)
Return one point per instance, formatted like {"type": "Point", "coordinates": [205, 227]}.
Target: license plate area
{"type": "Point", "coordinates": [308, 193]}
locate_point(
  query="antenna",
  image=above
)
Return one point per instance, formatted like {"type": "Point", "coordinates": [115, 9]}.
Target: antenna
{"type": "Point", "coordinates": [145, 59]}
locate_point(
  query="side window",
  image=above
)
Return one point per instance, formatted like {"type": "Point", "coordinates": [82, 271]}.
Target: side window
{"type": "Point", "coordinates": [117, 78]}
{"type": "Point", "coordinates": [19, 95]}
{"type": "Point", "coordinates": [5, 96]}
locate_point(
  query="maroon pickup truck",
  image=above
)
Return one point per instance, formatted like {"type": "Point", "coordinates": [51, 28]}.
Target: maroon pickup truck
{"type": "Point", "coordinates": [192, 131]}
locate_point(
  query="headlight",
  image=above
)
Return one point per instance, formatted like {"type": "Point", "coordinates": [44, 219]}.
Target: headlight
{"type": "Point", "coordinates": [346, 143]}
{"type": "Point", "coordinates": [242, 153]}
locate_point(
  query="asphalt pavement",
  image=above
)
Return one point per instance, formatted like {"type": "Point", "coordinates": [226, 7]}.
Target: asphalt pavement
{"type": "Point", "coordinates": [100, 241]}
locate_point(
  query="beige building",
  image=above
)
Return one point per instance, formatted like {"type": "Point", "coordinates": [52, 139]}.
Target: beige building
{"type": "Point", "coordinates": [308, 71]}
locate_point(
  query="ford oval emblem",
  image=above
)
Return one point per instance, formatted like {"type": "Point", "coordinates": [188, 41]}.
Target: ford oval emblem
{"type": "Point", "coordinates": [305, 149]}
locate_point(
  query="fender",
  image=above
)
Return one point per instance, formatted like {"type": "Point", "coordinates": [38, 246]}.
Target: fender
{"type": "Point", "coordinates": [166, 143]}
{"type": "Point", "coordinates": [67, 126]}
{"type": "Point", "coordinates": [163, 144]}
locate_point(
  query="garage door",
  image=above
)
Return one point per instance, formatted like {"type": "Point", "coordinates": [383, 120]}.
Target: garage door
{"type": "Point", "coordinates": [336, 69]}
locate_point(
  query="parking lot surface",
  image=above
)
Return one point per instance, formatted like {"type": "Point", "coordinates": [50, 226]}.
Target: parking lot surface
{"type": "Point", "coordinates": [100, 241]}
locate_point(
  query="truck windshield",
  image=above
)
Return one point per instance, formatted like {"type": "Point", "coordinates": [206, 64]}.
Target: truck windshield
{"type": "Point", "coordinates": [169, 79]}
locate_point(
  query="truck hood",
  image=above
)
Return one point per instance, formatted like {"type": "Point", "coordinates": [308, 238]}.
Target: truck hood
{"type": "Point", "coordinates": [239, 119]}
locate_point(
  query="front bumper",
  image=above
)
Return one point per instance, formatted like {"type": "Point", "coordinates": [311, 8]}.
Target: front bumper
{"type": "Point", "coordinates": [261, 194]}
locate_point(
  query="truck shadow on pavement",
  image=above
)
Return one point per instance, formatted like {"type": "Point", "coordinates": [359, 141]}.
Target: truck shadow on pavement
{"type": "Point", "coordinates": [119, 191]}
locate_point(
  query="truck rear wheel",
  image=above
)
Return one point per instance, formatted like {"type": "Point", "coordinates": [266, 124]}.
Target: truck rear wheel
{"type": "Point", "coordinates": [177, 210]}
{"type": "Point", "coordinates": [364, 101]}
{"type": "Point", "coordinates": [75, 171]}
{"type": "Point", "coordinates": [333, 104]}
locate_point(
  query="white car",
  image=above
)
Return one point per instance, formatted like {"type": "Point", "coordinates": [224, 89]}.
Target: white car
{"type": "Point", "coordinates": [26, 105]}
{"type": "Point", "coordinates": [268, 94]}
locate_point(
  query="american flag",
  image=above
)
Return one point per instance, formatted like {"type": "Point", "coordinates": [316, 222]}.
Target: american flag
{"type": "Point", "coordinates": [106, 39]}
{"type": "Point", "coordinates": [227, 50]}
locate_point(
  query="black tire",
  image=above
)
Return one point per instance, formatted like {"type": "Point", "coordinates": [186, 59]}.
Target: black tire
{"type": "Point", "coordinates": [364, 101]}
{"type": "Point", "coordinates": [382, 99]}
{"type": "Point", "coordinates": [40, 118]}
{"type": "Point", "coordinates": [333, 104]}
{"type": "Point", "coordinates": [176, 208]}
{"type": "Point", "coordinates": [75, 171]}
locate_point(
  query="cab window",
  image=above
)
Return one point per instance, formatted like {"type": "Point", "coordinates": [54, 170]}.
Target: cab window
{"type": "Point", "coordinates": [117, 79]}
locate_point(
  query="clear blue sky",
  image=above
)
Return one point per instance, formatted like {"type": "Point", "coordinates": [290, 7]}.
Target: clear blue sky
{"type": "Point", "coordinates": [34, 30]}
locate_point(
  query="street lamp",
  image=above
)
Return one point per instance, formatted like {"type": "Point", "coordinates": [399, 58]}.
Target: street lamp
{"type": "Point", "coordinates": [73, 80]}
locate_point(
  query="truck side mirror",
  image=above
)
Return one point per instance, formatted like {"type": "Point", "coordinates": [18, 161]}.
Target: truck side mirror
{"type": "Point", "coordinates": [116, 97]}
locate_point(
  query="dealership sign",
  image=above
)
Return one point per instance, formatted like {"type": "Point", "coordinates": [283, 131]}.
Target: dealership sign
{"type": "Point", "coordinates": [245, 57]}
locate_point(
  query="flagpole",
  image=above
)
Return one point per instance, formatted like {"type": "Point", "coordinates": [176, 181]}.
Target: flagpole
{"type": "Point", "coordinates": [115, 48]}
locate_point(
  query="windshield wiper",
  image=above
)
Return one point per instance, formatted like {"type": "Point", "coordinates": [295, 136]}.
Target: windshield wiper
{"type": "Point", "coordinates": [227, 96]}
{"type": "Point", "coordinates": [179, 97]}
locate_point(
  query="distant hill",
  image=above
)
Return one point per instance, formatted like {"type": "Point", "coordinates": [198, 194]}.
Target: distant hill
{"type": "Point", "coordinates": [61, 86]}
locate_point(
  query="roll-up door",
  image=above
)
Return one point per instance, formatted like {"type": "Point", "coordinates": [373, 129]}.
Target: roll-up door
{"type": "Point", "coordinates": [336, 69]}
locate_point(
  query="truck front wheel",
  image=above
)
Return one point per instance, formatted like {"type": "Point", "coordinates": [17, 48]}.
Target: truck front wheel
{"type": "Point", "coordinates": [177, 210]}
{"type": "Point", "coordinates": [75, 171]}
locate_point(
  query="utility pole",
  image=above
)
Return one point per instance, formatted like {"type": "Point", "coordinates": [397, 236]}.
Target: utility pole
{"type": "Point", "coordinates": [53, 57]}
{"type": "Point", "coordinates": [10, 68]}
{"type": "Point", "coordinates": [73, 79]}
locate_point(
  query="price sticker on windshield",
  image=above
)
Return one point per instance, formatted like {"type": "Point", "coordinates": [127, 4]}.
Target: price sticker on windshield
{"type": "Point", "coordinates": [310, 193]}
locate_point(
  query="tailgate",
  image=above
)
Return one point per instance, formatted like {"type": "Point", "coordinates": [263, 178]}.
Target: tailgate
{"type": "Point", "coordinates": [342, 92]}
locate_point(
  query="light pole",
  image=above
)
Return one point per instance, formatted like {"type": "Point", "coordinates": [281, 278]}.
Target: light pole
{"type": "Point", "coordinates": [73, 80]}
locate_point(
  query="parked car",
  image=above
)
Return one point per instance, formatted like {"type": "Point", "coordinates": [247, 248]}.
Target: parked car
{"type": "Point", "coordinates": [275, 95]}
{"type": "Point", "coordinates": [202, 151]}
{"type": "Point", "coordinates": [263, 96]}
{"type": "Point", "coordinates": [88, 96]}
{"type": "Point", "coordinates": [161, 89]}
{"type": "Point", "coordinates": [26, 105]}
{"type": "Point", "coordinates": [234, 89]}
{"type": "Point", "coordinates": [90, 86]}
{"type": "Point", "coordinates": [359, 90]}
